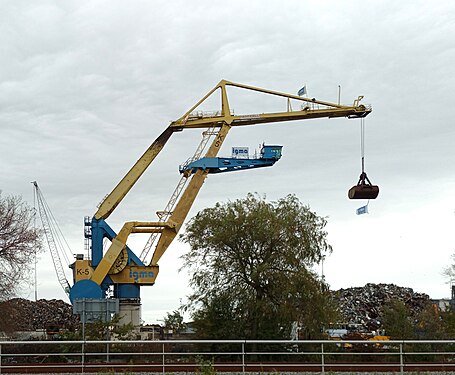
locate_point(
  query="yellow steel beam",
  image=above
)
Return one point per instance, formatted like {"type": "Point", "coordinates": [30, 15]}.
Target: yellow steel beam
{"type": "Point", "coordinates": [332, 110]}
{"type": "Point", "coordinates": [186, 201]}
{"type": "Point", "coordinates": [108, 260]}
{"type": "Point", "coordinates": [263, 118]}
{"type": "Point", "coordinates": [119, 242]}
{"type": "Point", "coordinates": [123, 187]}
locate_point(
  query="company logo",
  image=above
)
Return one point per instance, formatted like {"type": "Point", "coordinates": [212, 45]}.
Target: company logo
{"type": "Point", "coordinates": [135, 275]}
{"type": "Point", "coordinates": [240, 152]}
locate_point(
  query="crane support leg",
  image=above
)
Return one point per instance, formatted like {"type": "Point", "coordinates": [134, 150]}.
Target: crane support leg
{"type": "Point", "coordinates": [186, 201]}
{"type": "Point", "coordinates": [118, 246]}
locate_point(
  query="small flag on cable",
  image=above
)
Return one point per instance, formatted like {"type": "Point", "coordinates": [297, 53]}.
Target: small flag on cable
{"type": "Point", "coordinates": [362, 210]}
{"type": "Point", "coordinates": [302, 91]}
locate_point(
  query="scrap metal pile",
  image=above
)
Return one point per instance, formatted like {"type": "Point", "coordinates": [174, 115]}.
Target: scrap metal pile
{"type": "Point", "coordinates": [25, 315]}
{"type": "Point", "coordinates": [363, 306]}
{"type": "Point", "coordinates": [360, 306]}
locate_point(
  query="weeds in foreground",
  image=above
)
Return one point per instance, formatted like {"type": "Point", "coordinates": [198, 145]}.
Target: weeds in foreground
{"type": "Point", "coordinates": [205, 367]}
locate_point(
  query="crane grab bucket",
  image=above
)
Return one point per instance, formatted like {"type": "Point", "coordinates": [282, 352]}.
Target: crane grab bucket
{"type": "Point", "coordinates": [364, 189]}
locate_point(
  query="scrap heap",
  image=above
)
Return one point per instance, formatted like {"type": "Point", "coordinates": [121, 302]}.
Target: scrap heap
{"type": "Point", "coordinates": [363, 306]}
{"type": "Point", "coordinates": [19, 314]}
{"type": "Point", "coordinates": [359, 306]}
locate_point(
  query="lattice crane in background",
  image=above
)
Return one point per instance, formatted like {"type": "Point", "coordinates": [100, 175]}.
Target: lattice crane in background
{"type": "Point", "coordinates": [119, 267]}
{"type": "Point", "coordinates": [54, 237]}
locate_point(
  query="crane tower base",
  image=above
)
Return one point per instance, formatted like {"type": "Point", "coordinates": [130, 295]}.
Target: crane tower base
{"type": "Point", "coordinates": [130, 313]}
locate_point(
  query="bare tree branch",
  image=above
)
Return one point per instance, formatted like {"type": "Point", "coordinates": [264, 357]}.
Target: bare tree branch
{"type": "Point", "coordinates": [19, 243]}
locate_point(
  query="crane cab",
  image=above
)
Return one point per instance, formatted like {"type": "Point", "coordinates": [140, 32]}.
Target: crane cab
{"type": "Point", "coordinates": [271, 152]}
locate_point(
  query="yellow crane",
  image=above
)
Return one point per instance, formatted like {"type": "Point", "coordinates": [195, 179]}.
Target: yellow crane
{"type": "Point", "coordinates": [122, 268]}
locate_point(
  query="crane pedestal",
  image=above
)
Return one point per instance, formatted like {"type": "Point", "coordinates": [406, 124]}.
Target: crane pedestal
{"type": "Point", "coordinates": [130, 312]}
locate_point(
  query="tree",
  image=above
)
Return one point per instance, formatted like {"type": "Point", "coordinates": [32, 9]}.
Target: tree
{"type": "Point", "coordinates": [174, 322]}
{"type": "Point", "coordinates": [429, 324]}
{"type": "Point", "coordinates": [108, 330]}
{"type": "Point", "coordinates": [448, 321]}
{"type": "Point", "coordinates": [449, 271]}
{"type": "Point", "coordinates": [398, 321]}
{"type": "Point", "coordinates": [19, 242]}
{"type": "Point", "coordinates": [250, 262]}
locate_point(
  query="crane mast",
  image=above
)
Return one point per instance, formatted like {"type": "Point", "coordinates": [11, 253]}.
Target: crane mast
{"type": "Point", "coordinates": [119, 266]}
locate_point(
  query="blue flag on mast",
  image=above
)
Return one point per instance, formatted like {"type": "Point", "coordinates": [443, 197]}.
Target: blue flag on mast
{"type": "Point", "coordinates": [362, 210]}
{"type": "Point", "coordinates": [302, 91]}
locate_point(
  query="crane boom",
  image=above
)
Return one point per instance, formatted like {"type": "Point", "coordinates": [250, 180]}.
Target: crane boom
{"type": "Point", "coordinates": [187, 121]}
{"type": "Point", "coordinates": [126, 183]}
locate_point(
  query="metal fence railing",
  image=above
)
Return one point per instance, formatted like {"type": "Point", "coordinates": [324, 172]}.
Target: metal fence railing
{"type": "Point", "coordinates": [240, 356]}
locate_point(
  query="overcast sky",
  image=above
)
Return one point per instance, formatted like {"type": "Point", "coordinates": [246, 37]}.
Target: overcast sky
{"type": "Point", "coordinates": [86, 87]}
